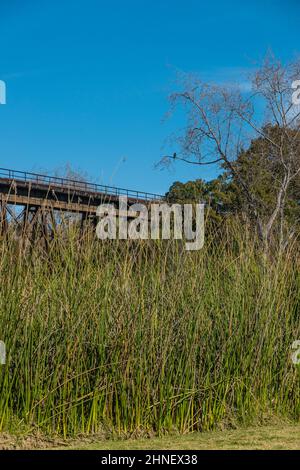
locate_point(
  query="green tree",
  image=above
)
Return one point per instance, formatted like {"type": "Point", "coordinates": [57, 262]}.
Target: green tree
{"type": "Point", "coordinates": [219, 195]}
{"type": "Point", "coordinates": [263, 172]}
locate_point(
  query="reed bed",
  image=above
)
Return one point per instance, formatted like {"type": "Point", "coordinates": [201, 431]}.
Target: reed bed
{"type": "Point", "coordinates": [133, 337]}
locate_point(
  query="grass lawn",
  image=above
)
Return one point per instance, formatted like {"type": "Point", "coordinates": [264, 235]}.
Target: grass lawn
{"type": "Point", "coordinates": [275, 436]}
{"type": "Point", "coordinates": [267, 437]}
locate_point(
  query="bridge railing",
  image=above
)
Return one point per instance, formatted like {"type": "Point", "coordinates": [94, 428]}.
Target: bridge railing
{"type": "Point", "coordinates": [67, 183]}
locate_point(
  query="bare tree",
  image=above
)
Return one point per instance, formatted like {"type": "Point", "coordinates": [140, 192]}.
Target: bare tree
{"type": "Point", "coordinates": [222, 120]}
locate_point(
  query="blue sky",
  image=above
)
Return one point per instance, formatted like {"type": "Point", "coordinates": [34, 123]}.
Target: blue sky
{"type": "Point", "coordinates": [87, 81]}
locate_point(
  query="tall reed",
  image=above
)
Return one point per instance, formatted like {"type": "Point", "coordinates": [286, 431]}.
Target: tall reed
{"type": "Point", "coordinates": [144, 336]}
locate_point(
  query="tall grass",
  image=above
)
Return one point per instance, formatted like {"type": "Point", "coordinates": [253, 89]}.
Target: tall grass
{"type": "Point", "coordinates": [144, 336]}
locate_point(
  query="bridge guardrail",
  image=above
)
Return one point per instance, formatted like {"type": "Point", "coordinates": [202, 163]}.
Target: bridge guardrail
{"type": "Point", "coordinates": [67, 183]}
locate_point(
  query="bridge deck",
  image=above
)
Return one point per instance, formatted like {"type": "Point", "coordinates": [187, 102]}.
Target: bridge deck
{"type": "Point", "coordinates": [31, 189]}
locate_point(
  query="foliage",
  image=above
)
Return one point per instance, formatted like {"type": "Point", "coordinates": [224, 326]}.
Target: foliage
{"type": "Point", "coordinates": [219, 195]}
{"type": "Point", "coordinates": [262, 174]}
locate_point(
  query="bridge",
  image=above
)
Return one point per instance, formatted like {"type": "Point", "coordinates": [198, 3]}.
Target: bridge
{"type": "Point", "coordinates": [40, 196]}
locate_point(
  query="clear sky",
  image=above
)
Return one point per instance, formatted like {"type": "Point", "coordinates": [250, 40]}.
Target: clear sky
{"type": "Point", "coordinates": [88, 80]}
